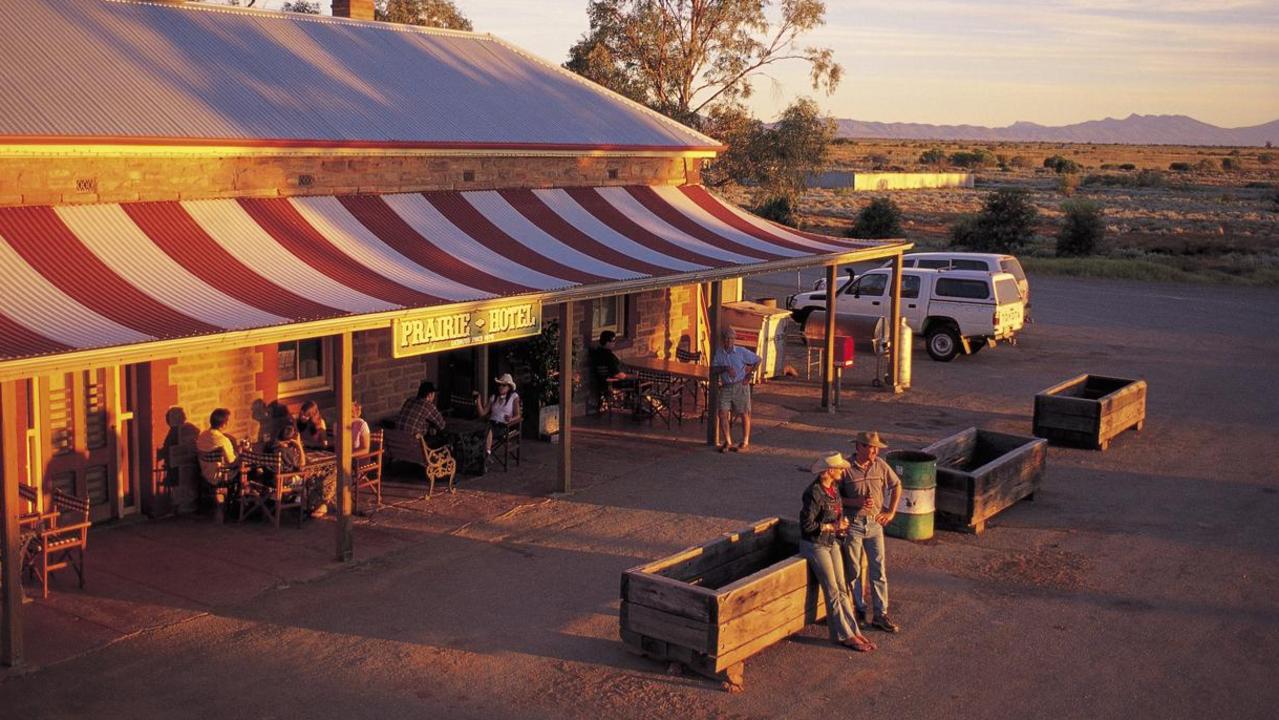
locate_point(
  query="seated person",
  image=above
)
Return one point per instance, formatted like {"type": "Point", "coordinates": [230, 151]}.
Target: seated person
{"type": "Point", "coordinates": [359, 431]}
{"type": "Point", "coordinates": [605, 368]}
{"type": "Point", "coordinates": [502, 410]}
{"type": "Point", "coordinates": [311, 427]}
{"type": "Point", "coordinates": [216, 438]}
{"type": "Point", "coordinates": [420, 416]}
{"type": "Point", "coordinates": [293, 458]}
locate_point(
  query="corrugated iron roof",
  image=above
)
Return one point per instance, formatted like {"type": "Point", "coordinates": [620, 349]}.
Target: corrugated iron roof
{"type": "Point", "coordinates": [104, 70]}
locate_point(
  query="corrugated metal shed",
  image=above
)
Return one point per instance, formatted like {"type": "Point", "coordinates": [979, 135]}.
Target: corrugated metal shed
{"type": "Point", "coordinates": [103, 70]}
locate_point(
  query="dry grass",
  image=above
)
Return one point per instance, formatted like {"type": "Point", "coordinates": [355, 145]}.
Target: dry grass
{"type": "Point", "coordinates": [1198, 226]}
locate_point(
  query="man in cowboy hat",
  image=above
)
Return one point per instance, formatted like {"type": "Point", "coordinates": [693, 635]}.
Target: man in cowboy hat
{"type": "Point", "coordinates": [863, 489]}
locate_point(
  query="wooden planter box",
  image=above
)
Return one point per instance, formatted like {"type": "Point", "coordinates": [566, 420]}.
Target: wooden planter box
{"type": "Point", "coordinates": [979, 473]}
{"type": "Point", "coordinates": [712, 606]}
{"type": "Point", "coordinates": [1090, 410]}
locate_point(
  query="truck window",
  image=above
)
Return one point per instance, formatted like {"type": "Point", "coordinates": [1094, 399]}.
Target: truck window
{"type": "Point", "coordinates": [910, 286]}
{"type": "Point", "coordinates": [970, 265]}
{"type": "Point", "coordinates": [1006, 290]}
{"type": "Point", "coordinates": [1012, 267]}
{"type": "Point", "coordinates": [870, 285]}
{"type": "Point", "coordinates": [970, 289]}
{"type": "Point", "coordinates": [933, 264]}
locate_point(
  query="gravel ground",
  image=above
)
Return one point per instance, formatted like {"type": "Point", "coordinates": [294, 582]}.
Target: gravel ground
{"type": "Point", "coordinates": [1141, 582]}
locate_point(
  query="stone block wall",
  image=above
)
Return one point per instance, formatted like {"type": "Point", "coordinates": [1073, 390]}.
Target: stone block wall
{"type": "Point", "coordinates": [80, 179]}
{"type": "Point", "coordinates": [382, 382]}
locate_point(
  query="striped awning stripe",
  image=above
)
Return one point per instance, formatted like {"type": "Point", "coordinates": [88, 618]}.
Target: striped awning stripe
{"type": "Point", "coordinates": [102, 276]}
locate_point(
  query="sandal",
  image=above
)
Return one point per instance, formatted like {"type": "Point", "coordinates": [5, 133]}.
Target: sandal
{"type": "Point", "coordinates": [742, 447]}
{"type": "Point", "coordinates": [723, 448]}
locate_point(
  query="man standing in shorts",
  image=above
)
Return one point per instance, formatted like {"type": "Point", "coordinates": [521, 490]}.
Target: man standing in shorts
{"type": "Point", "coordinates": [733, 367]}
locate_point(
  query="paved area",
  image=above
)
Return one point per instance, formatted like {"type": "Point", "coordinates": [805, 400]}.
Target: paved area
{"type": "Point", "coordinates": [1140, 583]}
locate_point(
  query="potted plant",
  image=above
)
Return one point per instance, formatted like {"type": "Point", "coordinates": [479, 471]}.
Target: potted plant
{"type": "Point", "coordinates": [537, 367]}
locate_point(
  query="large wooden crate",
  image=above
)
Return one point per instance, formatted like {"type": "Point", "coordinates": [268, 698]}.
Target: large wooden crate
{"type": "Point", "coordinates": [711, 606]}
{"type": "Point", "coordinates": [1090, 410]}
{"type": "Point", "coordinates": [980, 473]}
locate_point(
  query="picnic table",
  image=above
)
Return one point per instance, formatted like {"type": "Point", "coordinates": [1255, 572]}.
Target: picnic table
{"type": "Point", "coordinates": [667, 383]}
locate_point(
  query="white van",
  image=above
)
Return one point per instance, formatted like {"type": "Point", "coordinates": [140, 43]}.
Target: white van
{"type": "Point", "coordinates": [954, 310]}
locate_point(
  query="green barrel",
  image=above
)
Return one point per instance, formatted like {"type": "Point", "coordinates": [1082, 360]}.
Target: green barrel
{"type": "Point", "coordinates": [918, 473]}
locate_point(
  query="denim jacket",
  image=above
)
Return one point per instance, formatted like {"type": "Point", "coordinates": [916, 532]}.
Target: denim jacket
{"type": "Point", "coordinates": [819, 509]}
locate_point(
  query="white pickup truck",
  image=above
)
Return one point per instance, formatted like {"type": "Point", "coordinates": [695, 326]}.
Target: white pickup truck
{"type": "Point", "coordinates": [955, 310]}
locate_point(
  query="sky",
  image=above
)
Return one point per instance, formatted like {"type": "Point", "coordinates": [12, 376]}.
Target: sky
{"type": "Point", "coordinates": [995, 62]}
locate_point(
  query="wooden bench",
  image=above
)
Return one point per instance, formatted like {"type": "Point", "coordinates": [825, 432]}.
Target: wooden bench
{"type": "Point", "coordinates": [436, 463]}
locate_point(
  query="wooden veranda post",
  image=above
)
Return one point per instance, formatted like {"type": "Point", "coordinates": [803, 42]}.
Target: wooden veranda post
{"type": "Point", "coordinates": [712, 410]}
{"type": "Point", "coordinates": [566, 397]}
{"type": "Point", "coordinates": [828, 353]}
{"type": "Point", "coordinates": [342, 444]}
{"type": "Point", "coordinates": [895, 329]}
{"type": "Point", "coordinates": [10, 470]}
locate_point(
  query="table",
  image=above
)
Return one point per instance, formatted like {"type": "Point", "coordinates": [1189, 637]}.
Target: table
{"type": "Point", "coordinates": [466, 438]}
{"type": "Point", "coordinates": [668, 381]}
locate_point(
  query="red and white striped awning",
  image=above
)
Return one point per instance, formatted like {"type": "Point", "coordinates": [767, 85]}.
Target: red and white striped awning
{"type": "Point", "coordinates": [103, 276]}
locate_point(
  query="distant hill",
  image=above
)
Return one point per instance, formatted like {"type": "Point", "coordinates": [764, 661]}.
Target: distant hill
{"type": "Point", "coordinates": [1132, 130]}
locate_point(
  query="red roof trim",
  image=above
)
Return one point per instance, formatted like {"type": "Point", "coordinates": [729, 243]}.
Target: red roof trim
{"type": "Point", "coordinates": [352, 144]}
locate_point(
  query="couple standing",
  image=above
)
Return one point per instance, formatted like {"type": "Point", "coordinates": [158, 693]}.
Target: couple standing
{"type": "Point", "coordinates": [843, 516]}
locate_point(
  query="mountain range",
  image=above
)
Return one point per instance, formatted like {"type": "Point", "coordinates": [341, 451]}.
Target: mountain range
{"type": "Point", "coordinates": [1132, 130]}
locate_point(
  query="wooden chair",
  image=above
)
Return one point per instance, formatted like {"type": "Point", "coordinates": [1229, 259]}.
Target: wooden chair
{"type": "Point", "coordinates": [221, 485]}
{"type": "Point", "coordinates": [60, 539]}
{"type": "Point", "coordinates": [265, 487]}
{"type": "Point", "coordinates": [439, 463]}
{"type": "Point", "coordinates": [367, 473]}
{"type": "Point", "coordinates": [506, 444]}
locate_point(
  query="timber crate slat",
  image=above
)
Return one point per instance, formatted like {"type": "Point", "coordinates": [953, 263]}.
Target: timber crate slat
{"type": "Point", "coordinates": [981, 473]}
{"type": "Point", "coordinates": [712, 606]}
{"type": "Point", "coordinates": [1090, 410]}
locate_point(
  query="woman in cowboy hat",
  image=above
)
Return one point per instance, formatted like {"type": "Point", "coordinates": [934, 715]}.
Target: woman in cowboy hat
{"type": "Point", "coordinates": [822, 522]}
{"type": "Point", "coordinates": [503, 409]}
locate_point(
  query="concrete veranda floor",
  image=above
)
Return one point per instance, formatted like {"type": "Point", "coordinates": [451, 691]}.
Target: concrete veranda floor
{"type": "Point", "coordinates": [1140, 583]}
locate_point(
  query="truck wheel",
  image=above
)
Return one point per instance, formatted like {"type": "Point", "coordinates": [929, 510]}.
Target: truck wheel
{"type": "Point", "coordinates": [943, 343]}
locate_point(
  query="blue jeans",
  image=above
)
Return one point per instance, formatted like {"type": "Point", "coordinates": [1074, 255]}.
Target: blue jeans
{"type": "Point", "coordinates": [866, 535]}
{"type": "Point", "coordinates": [828, 566]}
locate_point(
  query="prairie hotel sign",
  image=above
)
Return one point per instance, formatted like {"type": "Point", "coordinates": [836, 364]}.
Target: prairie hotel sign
{"type": "Point", "coordinates": [435, 331]}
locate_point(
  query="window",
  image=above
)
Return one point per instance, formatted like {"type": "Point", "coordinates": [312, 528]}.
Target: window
{"type": "Point", "coordinates": [871, 285]}
{"type": "Point", "coordinates": [305, 365]}
{"type": "Point", "coordinates": [608, 314]}
{"type": "Point", "coordinates": [933, 263]}
{"type": "Point", "coordinates": [1006, 290]}
{"type": "Point", "coordinates": [971, 289]}
{"type": "Point", "coordinates": [970, 265]}
{"type": "Point", "coordinates": [910, 286]}
{"type": "Point", "coordinates": [1011, 266]}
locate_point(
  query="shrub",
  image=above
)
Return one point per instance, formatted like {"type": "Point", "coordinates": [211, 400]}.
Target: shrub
{"type": "Point", "coordinates": [879, 161]}
{"type": "Point", "coordinates": [778, 208]}
{"type": "Point", "coordinates": [1265, 158]}
{"type": "Point", "coordinates": [1150, 178]}
{"type": "Point", "coordinates": [1231, 164]}
{"type": "Point", "coordinates": [880, 219]}
{"type": "Point", "coordinates": [1128, 166]}
{"type": "Point", "coordinates": [1005, 224]}
{"type": "Point", "coordinates": [932, 156]}
{"type": "Point", "coordinates": [1206, 166]}
{"type": "Point", "coordinates": [1179, 167]}
{"type": "Point", "coordinates": [975, 158]}
{"type": "Point", "coordinates": [1067, 184]}
{"type": "Point", "coordinates": [1082, 230]}
{"type": "Point", "coordinates": [1059, 164]}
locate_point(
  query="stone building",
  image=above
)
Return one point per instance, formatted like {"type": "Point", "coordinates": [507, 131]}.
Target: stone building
{"type": "Point", "coordinates": [207, 207]}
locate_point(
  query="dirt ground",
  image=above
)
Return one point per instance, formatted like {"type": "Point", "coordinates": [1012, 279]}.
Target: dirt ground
{"type": "Point", "coordinates": [1141, 582]}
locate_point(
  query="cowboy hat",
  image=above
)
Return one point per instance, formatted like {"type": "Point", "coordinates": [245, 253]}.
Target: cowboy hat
{"type": "Point", "coordinates": [831, 460]}
{"type": "Point", "coordinates": [869, 439]}
{"type": "Point", "coordinates": [505, 379]}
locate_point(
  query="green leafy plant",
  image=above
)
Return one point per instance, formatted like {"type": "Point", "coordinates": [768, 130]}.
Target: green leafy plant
{"type": "Point", "coordinates": [1082, 229]}
{"type": "Point", "coordinates": [1060, 165]}
{"type": "Point", "coordinates": [539, 356]}
{"type": "Point", "coordinates": [880, 219]}
{"type": "Point", "coordinates": [1006, 223]}
{"type": "Point", "coordinates": [932, 156]}
{"type": "Point", "coordinates": [779, 208]}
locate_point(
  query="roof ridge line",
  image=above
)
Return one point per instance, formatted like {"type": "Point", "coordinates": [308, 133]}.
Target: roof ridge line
{"type": "Point", "coordinates": [307, 17]}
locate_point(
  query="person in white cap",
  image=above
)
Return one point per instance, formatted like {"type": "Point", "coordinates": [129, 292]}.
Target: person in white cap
{"type": "Point", "coordinates": [821, 524]}
{"type": "Point", "coordinates": [502, 410]}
